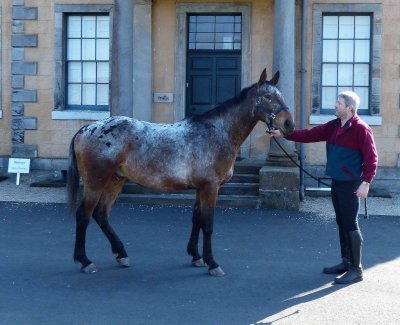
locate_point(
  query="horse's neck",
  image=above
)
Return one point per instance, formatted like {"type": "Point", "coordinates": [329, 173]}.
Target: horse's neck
{"type": "Point", "coordinates": [240, 120]}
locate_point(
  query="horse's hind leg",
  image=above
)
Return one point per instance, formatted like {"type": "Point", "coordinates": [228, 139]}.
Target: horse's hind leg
{"type": "Point", "coordinates": [192, 248]}
{"type": "Point", "coordinates": [101, 215]}
{"type": "Point", "coordinates": [82, 221]}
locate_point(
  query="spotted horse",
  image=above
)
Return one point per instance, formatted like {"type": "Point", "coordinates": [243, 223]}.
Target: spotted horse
{"type": "Point", "coordinates": [197, 152]}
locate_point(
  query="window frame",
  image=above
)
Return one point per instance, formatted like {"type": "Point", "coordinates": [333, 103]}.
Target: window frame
{"type": "Point", "coordinates": [61, 110]}
{"type": "Point", "coordinates": [318, 115]}
{"type": "Point", "coordinates": [215, 43]}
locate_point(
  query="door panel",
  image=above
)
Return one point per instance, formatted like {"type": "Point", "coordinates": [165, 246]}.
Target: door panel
{"type": "Point", "coordinates": [212, 78]}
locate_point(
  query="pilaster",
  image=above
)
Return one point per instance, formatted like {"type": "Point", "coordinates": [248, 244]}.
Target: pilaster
{"type": "Point", "coordinates": [19, 69]}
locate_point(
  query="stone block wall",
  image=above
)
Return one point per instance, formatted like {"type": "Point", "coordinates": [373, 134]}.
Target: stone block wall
{"type": "Point", "coordinates": [19, 69]}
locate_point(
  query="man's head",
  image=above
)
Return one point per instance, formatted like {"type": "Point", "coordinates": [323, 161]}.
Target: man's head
{"type": "Point", "coordinates": [351, 99]}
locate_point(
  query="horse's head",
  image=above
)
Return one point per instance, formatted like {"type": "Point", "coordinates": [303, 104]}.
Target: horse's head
{"type": "Point", "coordinates": [270, 105]}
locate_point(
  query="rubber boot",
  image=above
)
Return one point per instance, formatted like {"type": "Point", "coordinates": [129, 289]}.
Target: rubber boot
{"type": "Point", "coordinates": [355, 272]}
{"type": "Point", "coordinates": [345, 252]}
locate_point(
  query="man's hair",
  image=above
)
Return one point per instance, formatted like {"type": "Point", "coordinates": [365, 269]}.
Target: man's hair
{"type": "Point", "coordinates": [350, 99]}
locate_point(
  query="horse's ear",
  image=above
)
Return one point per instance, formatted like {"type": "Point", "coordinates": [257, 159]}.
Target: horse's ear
{"type": "Point", "coordinates": [275, 78]}
{"type": "Point", "coordinates": [263, 77]}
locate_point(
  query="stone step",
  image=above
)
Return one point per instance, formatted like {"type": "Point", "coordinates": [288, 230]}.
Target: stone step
{"type": "Point", "coordinates": [245, 178]}
{"type": "Point", "coordinates": [237, 201]}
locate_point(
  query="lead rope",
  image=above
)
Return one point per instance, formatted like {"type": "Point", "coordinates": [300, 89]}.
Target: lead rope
{"type": "Point", "coordinates": [307, 173]}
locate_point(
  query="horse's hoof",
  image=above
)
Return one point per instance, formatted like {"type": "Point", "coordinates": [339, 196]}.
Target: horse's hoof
{"type": "Point", "coordinates": [216, 272]}
{"type": "Point", "coordinates": [199, 263]}
{"type": "Point", "coordinates": [124, 261]}
{"type": "Point", "coordinates": [91, 268]}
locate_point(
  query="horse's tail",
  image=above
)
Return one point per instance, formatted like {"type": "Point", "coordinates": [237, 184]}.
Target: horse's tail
{"type": "Point", "coordinates": [72, 177]}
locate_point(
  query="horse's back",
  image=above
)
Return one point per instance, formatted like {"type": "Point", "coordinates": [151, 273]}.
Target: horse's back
{"type": "Point", "coordinates": [161, 156]}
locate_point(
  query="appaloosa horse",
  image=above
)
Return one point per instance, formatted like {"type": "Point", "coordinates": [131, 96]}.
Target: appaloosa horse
{"type": "Point", "coordinates": [197, 152]}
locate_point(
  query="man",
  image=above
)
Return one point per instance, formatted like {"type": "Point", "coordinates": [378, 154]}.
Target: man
{"type": "Point", "coordinates": [352, 161]}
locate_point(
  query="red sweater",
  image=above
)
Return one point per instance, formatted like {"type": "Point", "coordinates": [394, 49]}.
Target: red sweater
{"type": "Point", "coordinates": [351, 151]}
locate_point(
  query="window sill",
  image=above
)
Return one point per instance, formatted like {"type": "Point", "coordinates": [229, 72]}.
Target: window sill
{"type": "Point", "coordinates": [322, 119]}
{"type": "Point", "coordinates": [79, 115]}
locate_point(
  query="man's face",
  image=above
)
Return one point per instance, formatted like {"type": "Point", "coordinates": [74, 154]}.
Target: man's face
{"type": "Point", "coordinates": [342, 111]}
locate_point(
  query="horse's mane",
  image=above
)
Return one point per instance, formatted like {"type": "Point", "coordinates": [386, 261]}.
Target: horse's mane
{"type": "Point", "coordinates": [225, 106]}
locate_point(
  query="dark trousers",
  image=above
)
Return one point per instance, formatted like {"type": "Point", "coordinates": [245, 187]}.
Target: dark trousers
{"type": "Point", "coordinates": [346, 204]}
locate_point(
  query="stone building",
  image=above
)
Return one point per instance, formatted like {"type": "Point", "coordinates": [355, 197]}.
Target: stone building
{"type": "Point", "coordinates": [166, 59]}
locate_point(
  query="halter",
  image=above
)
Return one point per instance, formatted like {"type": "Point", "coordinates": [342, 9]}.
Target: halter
{"type": "Point", "coordinates": [271, 115]}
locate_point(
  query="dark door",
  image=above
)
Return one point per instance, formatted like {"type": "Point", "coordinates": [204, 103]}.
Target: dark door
{"type": "Point", "coordinates": [213, 60]}
{"type": "Point", "coordinates": [212, 78]}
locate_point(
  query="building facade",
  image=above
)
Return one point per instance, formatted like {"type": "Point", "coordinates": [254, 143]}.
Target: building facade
{"type": "Point", "coordinates": [64, 64]}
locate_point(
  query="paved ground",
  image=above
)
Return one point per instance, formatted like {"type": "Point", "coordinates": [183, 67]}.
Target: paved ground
{"type": "Point", "coordinates": [272, 260]}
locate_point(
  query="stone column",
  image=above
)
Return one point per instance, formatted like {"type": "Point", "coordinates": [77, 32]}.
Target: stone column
{"type": "Point", "coordinates": [279, 183]}
{"type": "Point", "coordinates": [142, 60]}
{"type": "Point", "coordinates": [284, 61]}
{"type": "Point", "coordinates": [19, 69]}
{"type": "Point", "coordinates": [122, 59]}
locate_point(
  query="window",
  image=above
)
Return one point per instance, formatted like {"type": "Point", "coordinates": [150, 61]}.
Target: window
{"type": "Point", "coordinates": [82, 61]}
{"type": "Point", "coordinates": [87, 62]}
{"type": "Point", "coordinates": [346, 48]}
{"type": "Point", "coordinates": [215, 32]}
{"type": "Point", "coordinates": [346, 56]}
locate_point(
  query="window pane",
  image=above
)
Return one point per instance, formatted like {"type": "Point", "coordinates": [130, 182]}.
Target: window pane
{"type": "Point", "coordinates": [361, 51]}
{"type": "Point", "coordinates": [224, 37]}
{"type": "Point", "coordinates": [74, 72]}
{"type": "Point", "coordinates": [103, 72]}
{"type": "Point", "coordinates": [361, 75]}
{"type": "Point", "coordinates": [363, 94]}
{"type": "Point", "coordinates": [346, 26]}
{"type": "Point", "coordinates": [74, 94]}
{"type": "Point", "coordinates": [341, 89]}
{"type": "Point", "coordinates": [238, 28]}
{"type": "Point", "coordinates": [329, 51]}
{"type": "Point", "coordinates": [103, 49]}
{"type": "Point", "coordinates": [345, 75]}
{"type": "Point", "coordinates": [89, 94]}
{"type": "Point", "coordinates": [329, 74]}
{"type": "Point", "coordinates": [89, 72]}
{"type": "Point", "coordinates": [225, 19]}
{"type": "Point", "coordinates": [102, 94]}
{"type": "Point", "coordinates": [204, 28]}
{"type": "Point", "coordinates": [223, 46]}
{"type": "Point", "coordinates": [74, 27]}
{"type": "Point", "coordinates": [88, 26]}
{"type": "Point", "coordinates": [74, 49]}
{"type": "Point", "coordinates": [346, 51]}
{"type": "Point", "coordinates": [205, 37]}
{"type": "Point", "coordinates": [329, 97]}
{"type": "Point", "coordinates": [206, 19]}
{"type": "Point", "coordinates": [103, 27]}
{"type": "Point", "coordinates": [363, 27]}
{"type": "Point", "coordinates": [204, 46]}
{"type": "Point", "coordinates": [88, 49]}
{"type": "Point", "coordinates": [224, 28]}
{"type": "Point", "coordinates": [330, 27]}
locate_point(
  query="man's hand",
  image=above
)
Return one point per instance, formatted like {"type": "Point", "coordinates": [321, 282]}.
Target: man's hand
{"type": "Point", "coordinates": [274, 133]}
{"type": "Point", "coordinates": [362, 191]}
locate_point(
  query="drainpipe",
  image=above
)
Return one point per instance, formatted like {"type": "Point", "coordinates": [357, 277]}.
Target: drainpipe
{"type": "Point", "coordinates": [302, 90]}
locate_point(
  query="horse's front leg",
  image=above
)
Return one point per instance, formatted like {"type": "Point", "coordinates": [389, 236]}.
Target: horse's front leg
{"type": "Point", "coordinates": [208, 200]}
{"type": "Point", "coordinates": [192, 247]}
